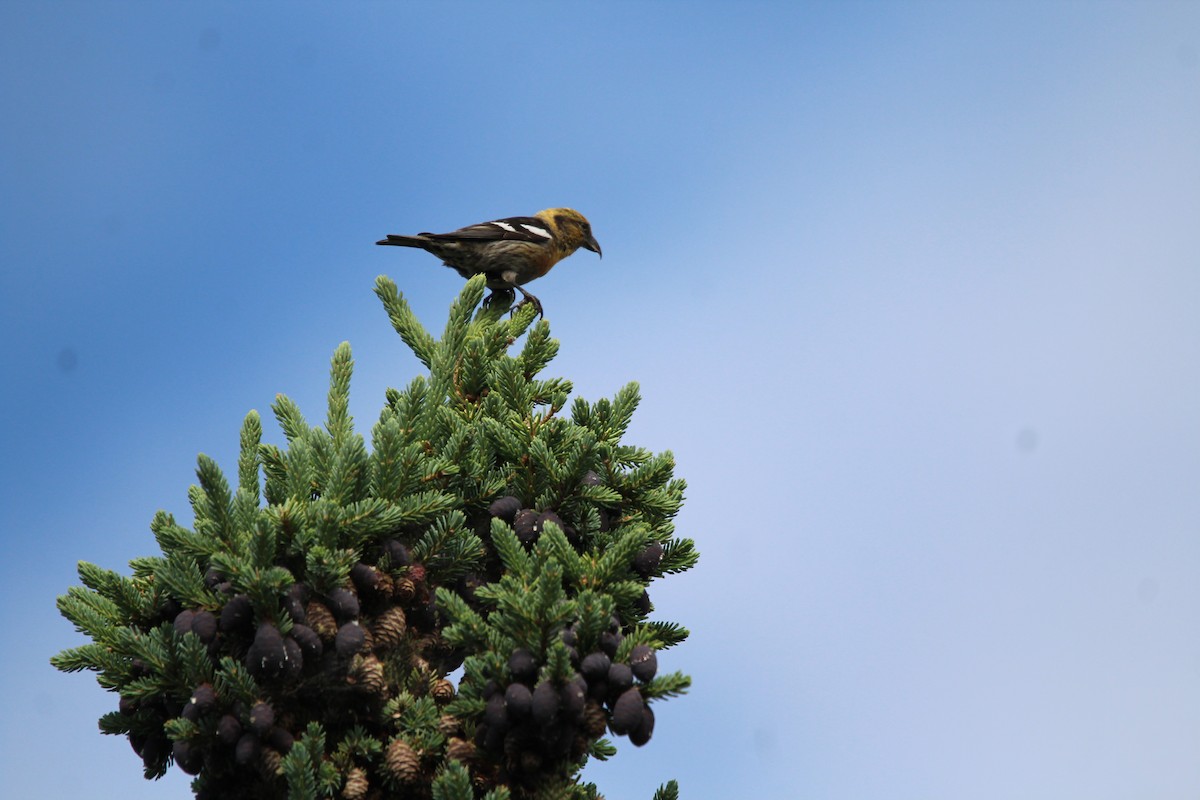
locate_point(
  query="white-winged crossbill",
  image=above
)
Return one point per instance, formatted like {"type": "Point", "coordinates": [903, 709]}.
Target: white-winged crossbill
{"type": "Point", "coordinates": [511, 251]}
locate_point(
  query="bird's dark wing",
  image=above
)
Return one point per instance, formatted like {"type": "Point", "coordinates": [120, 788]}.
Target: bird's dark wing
{"type": "Point", "coordinates": [513, 229]}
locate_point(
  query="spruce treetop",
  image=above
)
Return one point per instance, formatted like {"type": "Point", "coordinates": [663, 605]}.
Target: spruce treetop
{"type": "Point", "coordinates": [459, 610]}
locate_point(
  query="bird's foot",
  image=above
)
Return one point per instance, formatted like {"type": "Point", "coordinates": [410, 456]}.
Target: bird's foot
{"type": "Point", "coordinates": [501, 298]}
{"type": "Point", "coordinates": [529, 300]}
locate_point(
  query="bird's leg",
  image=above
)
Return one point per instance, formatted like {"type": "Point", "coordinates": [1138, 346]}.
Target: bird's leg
{"type": "Point", "coordinates": [528, 298]}
{"type": "Point", "coordinates": [502, 297]}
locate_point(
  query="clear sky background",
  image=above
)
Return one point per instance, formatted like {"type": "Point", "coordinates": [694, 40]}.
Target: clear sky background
{"type": "Point", "coordinates": [912, 291]}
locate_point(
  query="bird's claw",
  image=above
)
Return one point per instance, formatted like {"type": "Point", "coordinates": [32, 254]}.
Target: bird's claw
{"type": "Point", "coordinates": [529, 300]}
{"type": "Point", "coordinates": [500, 297]}
{"type": "Point", "coordinates": [505, 297]}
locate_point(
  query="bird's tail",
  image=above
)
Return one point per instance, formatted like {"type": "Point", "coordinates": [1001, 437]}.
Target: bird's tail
{"type": "Point", "coordinates": [404, 241]}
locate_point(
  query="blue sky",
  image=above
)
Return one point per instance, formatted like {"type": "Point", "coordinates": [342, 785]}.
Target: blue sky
{"type": "Point", "coordinates": [912, 291]}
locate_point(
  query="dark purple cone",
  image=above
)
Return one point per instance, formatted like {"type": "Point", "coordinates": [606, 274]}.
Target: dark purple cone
{"type": "Point", "coordinates": [505, 508]}
{"type": "Point", "coordinates": [237, 615]}
{"type": "Point", "coordinates": [519, 701]}
{"type": "Point", "coordinates": [546, 703]}
{"type": "Point", "coordinates": [643, 662]}
{"type": "Point", "coordinates": [267, 657]}
{"type": "Point", "coordinates": [595, 666]}
{"type": "Point", "coordinates": [646, 562]}
{"type": "Point", "coordinates": [229, 730]}
{"type": "Point", "coordinates": [293, 603]}
{"type": "Point", "coordinates": [397, 553]}
{"type": "Point", "coordinates": [609, 642]}
{"type": "Point", "coordinates": [155, 749]}
{"type": "Point", "coordinates": [364, 577]}
{"type": "Point", "coordinates": [310, 643]}
{"type": "Point", "coordinates": [204, 698]}
{"type": "Point", "coordinates": [643, 604]}
{"type": "Point", "coordinates": [343, 604]}
{"type": "Point", "coordinates": [183, 621]}
{"type": "Point", "coordinates": [247, 749]}
{"type": "Point", "coordinates": [495, 714]}
{"type": "Point", "coordinates": [641, 734]}
{"type": "Point", "coordinates": [204, 625]}
{"type": "Point", "coordinates": [350, 639]}
{"type": "Point", "coordinates": [522, 665]}
{"type": "Point", "coordinates": [620, 678]}
{"type": "Point", "coordinates": [525, 525]}
{"type": "Point", "coordinates": [549, 516]}
{"type": "Point", "coordinates": [627, 712]}
{"type": "Point", "coordinates": [295, 658]}
{"type": "Point", "coordinates": [188, 756]}
{"type": "Point", "coordinates": [574, 696]}
{"type": "Point", "coordinates": [262, 717]}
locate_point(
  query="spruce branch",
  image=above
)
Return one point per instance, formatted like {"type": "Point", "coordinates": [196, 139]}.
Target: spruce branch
{"type": "Point", "coordinates": [668, 791]}
{"type": "Point", "coordinates": [404, 321]}
{"type": "Point", "coordinates": [249, 457]}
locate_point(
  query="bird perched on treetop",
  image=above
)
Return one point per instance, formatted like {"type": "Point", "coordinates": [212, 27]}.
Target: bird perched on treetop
{"type": "Point", "coordinates": [511, 251]}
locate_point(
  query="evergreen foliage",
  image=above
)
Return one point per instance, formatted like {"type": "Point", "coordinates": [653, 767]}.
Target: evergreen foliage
{"type": "Point", "coordinates": [297, 640]}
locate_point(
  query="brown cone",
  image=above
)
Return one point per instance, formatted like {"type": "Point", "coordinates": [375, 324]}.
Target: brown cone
{"type": "Point", "coordinates": [321, 620]}
{"type": "Point", "coordinates": [595, 721]}
{"type": "Point", "coordinates": [404, 590]}
{"type": "Point", "coordinates": [460, 750]}
{"type": "Point", "coordinates": [402, 762]}
{"type": "Point", "coordinates": [270, 762]}
{"type": "Point", "coordinates": [356, 784]}
{"type": "Point", "coordinates": [367, 674]}
{"type": "Point", "coordinates": [442, 691]}
{"type": "Point", "coordinates": [389, 628]}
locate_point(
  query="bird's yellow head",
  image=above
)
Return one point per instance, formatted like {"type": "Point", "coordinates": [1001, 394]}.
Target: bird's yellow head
{"type": "Point", "coordinates": [571, 229]}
